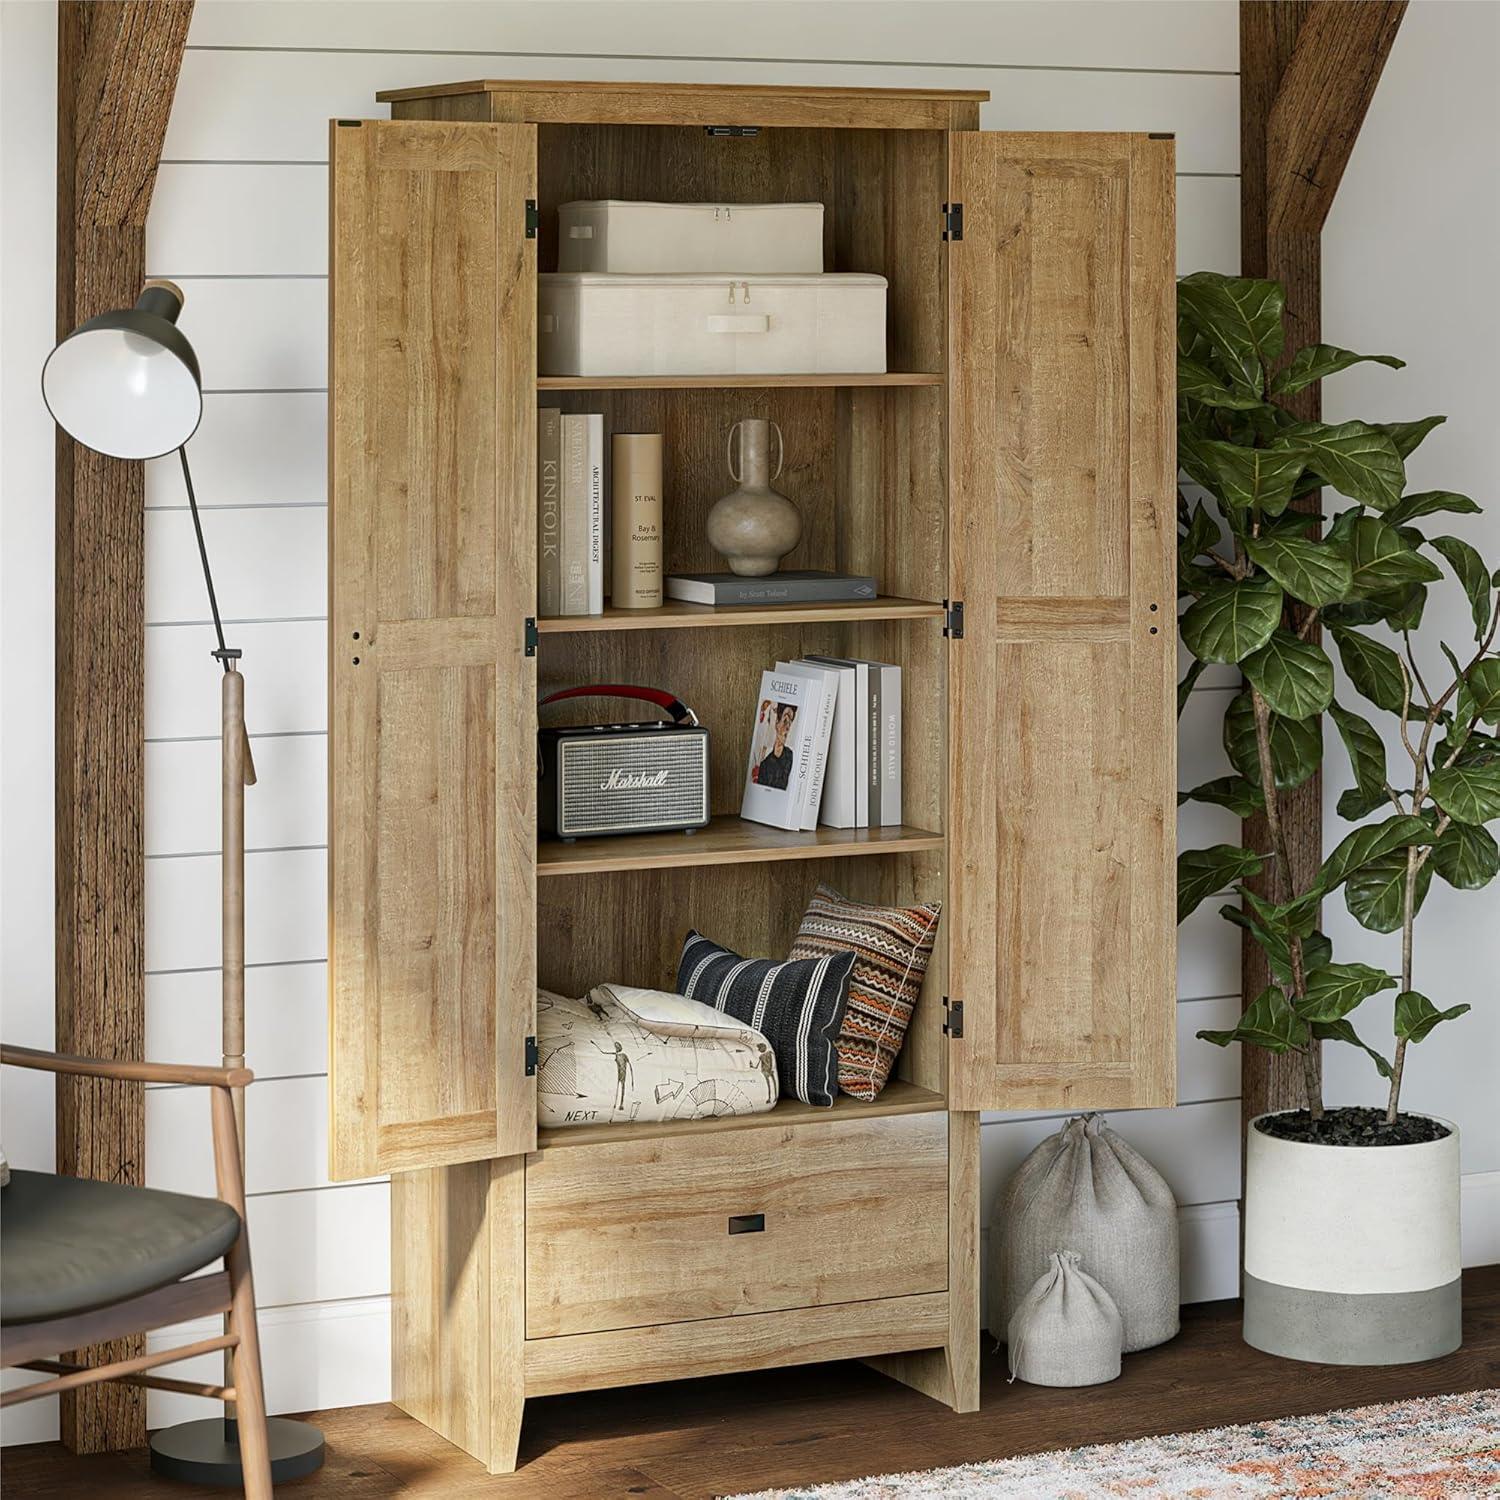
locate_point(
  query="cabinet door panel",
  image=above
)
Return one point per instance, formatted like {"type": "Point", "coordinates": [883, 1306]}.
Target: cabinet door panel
{"type": "Point", "coordinates": [1063, 736]}
{"type": "Point", "coordinates": [432, 718]}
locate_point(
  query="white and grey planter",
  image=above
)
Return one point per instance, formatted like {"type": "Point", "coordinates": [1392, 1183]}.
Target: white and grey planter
{"type": "Point", "coordinates": [1352, 1252]}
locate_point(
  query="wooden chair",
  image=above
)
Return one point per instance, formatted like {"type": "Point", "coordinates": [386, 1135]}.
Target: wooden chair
{"type": "Point", "coordinates": [82, 1262]}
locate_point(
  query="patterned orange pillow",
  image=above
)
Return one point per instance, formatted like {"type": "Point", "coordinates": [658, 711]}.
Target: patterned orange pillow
{"type": "Point", "coordinates": [891, 946]}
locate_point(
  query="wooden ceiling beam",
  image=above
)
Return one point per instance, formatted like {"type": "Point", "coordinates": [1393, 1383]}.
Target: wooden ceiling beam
{"type": "Point", "coordinates": [118, 62]}
{"type": "Point", "coordinates": [1308, 69]}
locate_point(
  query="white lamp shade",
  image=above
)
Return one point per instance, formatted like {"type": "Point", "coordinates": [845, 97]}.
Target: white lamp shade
{"type": "Point", "coordinates": [125, 384]}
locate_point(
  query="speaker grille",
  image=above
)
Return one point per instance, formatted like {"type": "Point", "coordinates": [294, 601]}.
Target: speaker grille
{"type": "Point", "coordinates": [594, 801]}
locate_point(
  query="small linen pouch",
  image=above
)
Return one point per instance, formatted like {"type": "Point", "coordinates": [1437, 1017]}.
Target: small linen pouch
{"type": "Point", "coordinates": [1067, 1330]}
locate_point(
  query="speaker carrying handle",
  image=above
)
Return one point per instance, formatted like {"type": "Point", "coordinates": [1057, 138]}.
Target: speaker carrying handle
{"type": "Point", "coordinates": [664, 700]}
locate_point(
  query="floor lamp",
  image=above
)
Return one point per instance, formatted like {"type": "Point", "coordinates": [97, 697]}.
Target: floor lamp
{"type": "Point", "coordinates": [126, 384]}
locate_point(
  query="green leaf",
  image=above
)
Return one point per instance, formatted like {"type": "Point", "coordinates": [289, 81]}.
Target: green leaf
{"type": "Point", "coordinates": [1274, 942]}
{"type": "Point", "coordinates": [1358, 460]}
{"type": "Point", "coordinates": [1404, 607]}
{"type": "Point", "coordinates": [1202, 535]}
{"type": "Point", "coordinates": [1430, 502]}
{"type": "Point", "coordinates": [1483, 683]}
{"type": "Point", "coordinates": [1203, 872]}
{"type": "Point", "coordinates": [1380, 560]}
{"type": "Point", "coordinates": [1268, 1022]}
{"type": "Point", "coordinates": [1343, 1031]}
{"type": "Point", "coordinates": [1296, 744]}
{"type": "Point", "coordinates": [1468, 567]}
{"type": "Point", "coordinates": [1294, 677]}
{"type": "Point", "coordinates": [1232, 619]}
{"type": "Point", "coordinates": [1308, 571]}
{"type": "Point", "coordinates": [1240, 318]}
{"type": "Point", "coordinates": [1241, 797]}
{"type": "Point", "coordinates": [1466, 856]}
{"type": "Point", "coordinates": [1294, 918]}
{"type": "Point", "coordinates": [1407, 436]}
{"type": "Point", "coordinates": [1416, 1015]}
{"type": "Point", "coordinates": [1198, 382]}
{"type": "Point", "coordinates": [1190, 455]}
{"type": "Point", "coordinates": [1185, 687]}
{"type": "Point", "coordinates": [1374, 669]}
{"type": "Point", "coordinates": [1265, 478]}
{"type": "Point", "coordinates": [1315, 361]}
{"type": "Point", "coordinates": [1376, 892]}
{"type": "Point", "coordinates": [1369, 843]}
{"type": "Point", "coordinates": [1335, 989]}
{"type": "Point", "coordinates": [1469, 793]}
{"type": "Point", "coordinates": [1366, 759]}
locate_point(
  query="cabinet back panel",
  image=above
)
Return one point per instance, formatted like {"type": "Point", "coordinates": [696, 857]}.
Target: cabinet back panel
{"type": "Point", "coordinates": [717, 674]}
{"type": "Point", "coordinates": [628, 927]}
{"type": "Point", "coordinates": [881, 191]}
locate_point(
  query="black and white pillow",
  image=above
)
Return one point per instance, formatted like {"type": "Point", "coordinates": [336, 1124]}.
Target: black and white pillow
{"type": "Point", "coordinates": [797, 1006]}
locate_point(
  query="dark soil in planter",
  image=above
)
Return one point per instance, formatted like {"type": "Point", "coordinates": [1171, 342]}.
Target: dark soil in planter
{"type": "Point", "coordinates": [1352, 1126]}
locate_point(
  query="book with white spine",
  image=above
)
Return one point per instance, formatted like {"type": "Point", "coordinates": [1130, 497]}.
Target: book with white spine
{"type": "Point", "coordinates": [846, 788]}
{"type": "Point", "coordinates": [828, 677]}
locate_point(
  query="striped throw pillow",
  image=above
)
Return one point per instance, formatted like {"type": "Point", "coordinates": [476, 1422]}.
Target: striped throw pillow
{"type": "Point", "coordinates": [891, 946]}
{"type": "Point", "coordinates": [797, 1007]}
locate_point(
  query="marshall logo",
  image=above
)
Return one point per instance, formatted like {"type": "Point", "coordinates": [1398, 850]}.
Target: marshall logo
{"type": "Point", "coordinates": [632, 781]}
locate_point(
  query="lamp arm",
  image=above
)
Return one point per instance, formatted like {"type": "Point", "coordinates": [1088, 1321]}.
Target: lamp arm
{"type": "Point", "coordinates": [227, 655]}
{"type": "Point", "coordinates": [208, 578]}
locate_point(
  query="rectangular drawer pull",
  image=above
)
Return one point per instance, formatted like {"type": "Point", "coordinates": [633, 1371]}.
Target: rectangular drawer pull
{"type": "Point", "coordinates": [746, 1223]}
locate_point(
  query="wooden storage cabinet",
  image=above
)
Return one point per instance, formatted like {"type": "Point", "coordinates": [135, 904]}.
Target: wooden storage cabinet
{"type": "Point", "coordinates": [1010, 483]}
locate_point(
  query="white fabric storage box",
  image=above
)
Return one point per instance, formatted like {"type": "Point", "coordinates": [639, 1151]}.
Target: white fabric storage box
{"type": "Point", "coordinates": [594, 324]}
{"type": "Point", "coordinates": [608, 234]}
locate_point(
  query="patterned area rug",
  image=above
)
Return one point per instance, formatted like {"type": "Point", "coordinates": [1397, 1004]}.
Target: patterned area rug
{"type": "Point", "coordinates": [1439, 1448]}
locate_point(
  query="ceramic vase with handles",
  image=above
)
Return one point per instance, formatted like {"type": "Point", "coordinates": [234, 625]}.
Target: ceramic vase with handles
{"type": "Point", "coordinates": [753, 527]}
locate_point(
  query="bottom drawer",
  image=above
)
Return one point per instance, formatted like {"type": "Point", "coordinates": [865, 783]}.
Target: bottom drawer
{"type": "Point", "coordinates": [709, 1224]}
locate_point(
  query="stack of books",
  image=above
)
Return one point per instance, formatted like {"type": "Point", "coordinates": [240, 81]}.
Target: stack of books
{"type": "Point", "coordinates": [826, 747]}
{"type": "Point", "coordinates": [570, 511]}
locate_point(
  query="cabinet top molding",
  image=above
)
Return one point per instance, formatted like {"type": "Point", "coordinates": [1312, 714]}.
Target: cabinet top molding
{"type": "Point", "coordinates": [545, 101]}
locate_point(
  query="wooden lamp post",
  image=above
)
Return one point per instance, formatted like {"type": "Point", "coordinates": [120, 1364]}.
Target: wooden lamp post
{"type": "Point", "coordinates": [126, 384]}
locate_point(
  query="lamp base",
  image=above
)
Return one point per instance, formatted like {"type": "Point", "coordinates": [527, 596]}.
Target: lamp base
{"type": "Point", "coordinates": [203, 1452]}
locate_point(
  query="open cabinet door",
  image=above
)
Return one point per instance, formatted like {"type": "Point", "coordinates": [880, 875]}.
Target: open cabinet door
{"type": "Point", "coordinates": [1062, 733]}
{"type": "Point", "coordinates": [432, 723]}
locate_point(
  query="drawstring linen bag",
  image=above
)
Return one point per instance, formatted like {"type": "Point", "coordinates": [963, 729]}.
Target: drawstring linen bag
{"type": "Point", "coordinates": [1067, 1330]}
{"type": "Point", "coordinates": [1087, 1188]}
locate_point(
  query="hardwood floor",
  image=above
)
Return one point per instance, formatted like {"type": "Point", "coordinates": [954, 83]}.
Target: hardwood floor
{"type": "Point", "coordinates": [698, 1439]}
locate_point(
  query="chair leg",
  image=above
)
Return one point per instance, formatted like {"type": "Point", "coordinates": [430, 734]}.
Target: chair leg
{"type": "Point", "coordinates": [249, 1392]}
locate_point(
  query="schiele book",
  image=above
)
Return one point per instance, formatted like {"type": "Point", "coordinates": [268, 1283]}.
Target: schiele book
{"type": "Point", "coordinates": [549, 511]}
{"type": "Point", "coordinates": [782, 749]}
{"type": "Point", "coordinates": [828, 678]}
{"type": "Point", "coordinates": [807, 587]}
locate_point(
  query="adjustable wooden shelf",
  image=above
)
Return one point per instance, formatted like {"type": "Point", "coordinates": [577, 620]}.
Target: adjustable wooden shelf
{"type": "Point", "coordinates": [1026, 470]}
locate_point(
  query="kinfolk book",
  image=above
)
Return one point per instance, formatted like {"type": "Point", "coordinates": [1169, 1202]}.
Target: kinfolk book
{"type": "Point", "coordinates": [549, 512]}
{"type": "Point", "coordinates": [782, 748]}
{"type": "Point", "coordinates": [575, 515]}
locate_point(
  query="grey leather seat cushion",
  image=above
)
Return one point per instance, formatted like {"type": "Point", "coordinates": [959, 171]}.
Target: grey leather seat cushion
{"type": "Point", "coordinates": [68, 1245]}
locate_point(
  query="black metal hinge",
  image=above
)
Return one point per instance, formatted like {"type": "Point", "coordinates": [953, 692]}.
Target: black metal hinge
{"type": "Point", "coordinates": [531, 636]}
{"type": "Point", "coordinates": [953, 619]}
{"type": "Point", "coordinates": [732, 132]}
{"type": "Point", "coordinates": [533, 218]}
{"type": "Point", "coordinates": [531, 1056]}
{"type": "Point", "coordinates": [953, 221]}
{"type": "Point", "coordinates": [953, 1023]}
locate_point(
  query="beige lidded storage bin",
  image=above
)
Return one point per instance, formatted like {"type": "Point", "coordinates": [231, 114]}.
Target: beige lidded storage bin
{"type": "Point", "coordinates": [608, 234]}
{"type": "Point", "coordinates": [594, 324]}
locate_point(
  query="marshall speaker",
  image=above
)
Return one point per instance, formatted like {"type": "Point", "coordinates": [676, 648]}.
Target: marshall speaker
{"type": "Point", "coordinates": [623, 778]}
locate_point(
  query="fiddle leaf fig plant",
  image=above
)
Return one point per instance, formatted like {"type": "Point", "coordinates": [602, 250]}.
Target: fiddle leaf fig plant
{"type": "Point", "coordinates": [1274, 587]}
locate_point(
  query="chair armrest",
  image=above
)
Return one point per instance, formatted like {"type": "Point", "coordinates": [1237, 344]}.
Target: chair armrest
{"type": "Point", "coordinates": [123, 1069]}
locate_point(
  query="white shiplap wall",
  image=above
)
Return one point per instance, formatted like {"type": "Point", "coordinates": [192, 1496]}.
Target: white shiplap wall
{"type": "Point", "coordinates": [240, 218]}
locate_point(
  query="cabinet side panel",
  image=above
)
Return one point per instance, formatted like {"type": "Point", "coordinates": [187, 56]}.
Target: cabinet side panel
{"type": "Point", "coordinates": [431, 753]}
{"type": "Point", "coordinates": [1062, 738]}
